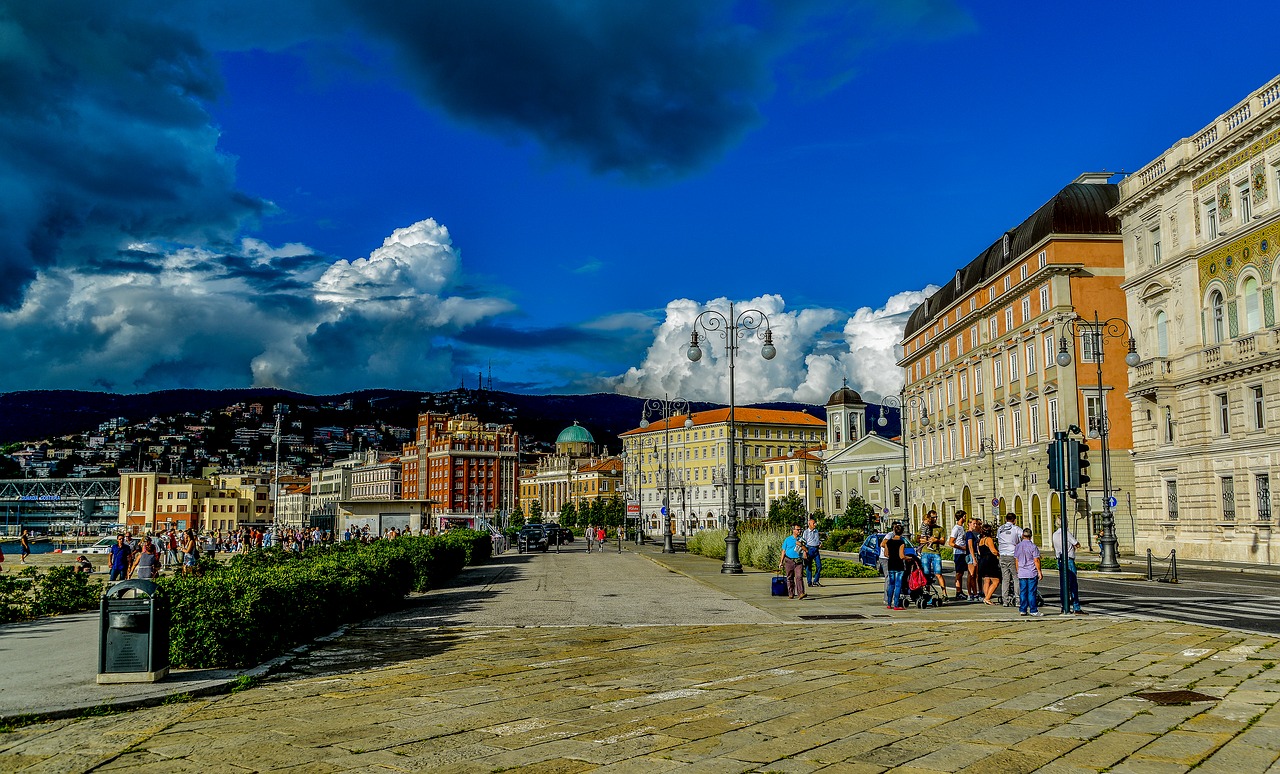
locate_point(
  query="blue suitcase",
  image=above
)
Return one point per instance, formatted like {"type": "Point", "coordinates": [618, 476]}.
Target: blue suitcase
{"type": "Point", "coordinates": [779, 586]}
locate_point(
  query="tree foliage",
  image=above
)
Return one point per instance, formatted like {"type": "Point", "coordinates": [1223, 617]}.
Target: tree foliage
{"type": "Point", "coordinates": [787, 511]}
{"type": "Point", "coordinates": [535, 512]}
{"type": "Point", "coordinates": [568, 515]}
{"type": "Point", "coordinates": [858, 514]}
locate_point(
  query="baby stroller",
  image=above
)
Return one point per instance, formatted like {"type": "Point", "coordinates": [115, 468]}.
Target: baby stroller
{"type": "Point", "coordinates": [919, 589]}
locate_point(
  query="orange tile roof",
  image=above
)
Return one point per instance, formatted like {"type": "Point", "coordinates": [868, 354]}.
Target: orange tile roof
{"type": "Point", "coordinates": [801, 454]}
{"type": "Point", "coordinates": [611, 465]}
{"type": "Point", "coordinates": [741, 416]}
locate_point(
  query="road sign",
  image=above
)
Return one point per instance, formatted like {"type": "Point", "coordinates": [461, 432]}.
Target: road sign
{"type": "Point", "coordinates": [1112, 502]}
{"type": "Point", "coordinates": [886, 510]}
{"type": "Point", "coordinates": [664, 510]}
{"type": "Point", "coordinates": [995, 502]}
{"type": "Point", "coordinates": [633, 509]}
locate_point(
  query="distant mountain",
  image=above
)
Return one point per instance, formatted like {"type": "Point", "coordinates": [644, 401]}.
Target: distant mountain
{"type": "Point", "coordinates": [38, 414]}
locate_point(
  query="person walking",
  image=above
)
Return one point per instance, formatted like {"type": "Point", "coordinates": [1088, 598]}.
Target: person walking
{"type": "Point", "coordinates": [590, 534]}
{"type": "Point", "coordinates": [960, 552]}
{"type": "Point", "coordinates": [24, 546]}
{"type": "Point", "coordinates": [988, 563]}
{"type": "Point", "coordinates": [1073, 583]}
{"type": "Point", "coordinates": [120, 560]}
{"type": "Point", "coordinates": [1027, 557]}
{"type": "Point", "coordinates": [813, 561]}
{"type": "Point", "coordinates": [893, 546]}
{"type": "Point", "coordinates": [792, 562]}
{"type": "Point", "coordinates": [971, 538]}
{"type": "Point", "coordinates": [600, 536]}
{"type": "Point", "coordinates": [1008, 536]}
{"type": "Point", "coordinates": [145, 563]}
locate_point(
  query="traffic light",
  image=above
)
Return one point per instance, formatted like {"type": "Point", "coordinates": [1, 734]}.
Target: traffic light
{"type": "Point", "coordinates": [1077, 465]}
{"type": "Point", "coordinates": [1055, 465]}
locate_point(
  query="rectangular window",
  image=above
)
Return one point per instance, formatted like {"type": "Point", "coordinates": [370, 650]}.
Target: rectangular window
{"type": "Point", "coordinates": [1262, 483]}
{"type": "Point", "coordinates": [1031, 358]}
{"type": "Point", "coordinates": [1095, 414]}
{"type": "Point", "coordinates": [1007, 281]}
{"type": "Point", "coordinates": [973, 303]}
{"type": "Point", "coordinates": [1224, 417]}
{"type": "Point", "coordinates": [997, 372]}
{"type": "Point", "coordinates": [1049, 350]}
{"type": "Point", "coordinates": [1013, 366]}
{"type": "Point", "coordinates": [964, 385]}
{"type": "Point", "coordinates": [1168, 425]}
{"type": "Point", "coordinates": [946, 352]}
{"type": "Point", "coordinates": [1053, 415]}
{"type": "Point", "coordinates": [964, 439]}
{"type": "Point", "coordinates": [1211, 218]}
{"type": "Point", "coordinates": [1171, 499]}
{"type": "Point", "coordinates": [950, 391]}
{"type": "Point", "coordinates": [977, 380]}
{"type": "Point", "coordinates": [1155, 246]}
{"type": "Point", "coordinates": [982, 432]}
{"type": "Point", "coordinates": [1044, 258]}
{"type": "Point", "coordinates": [1017, 427]}
{"type": "Point", "coordinates": [951, 443]}
{"type": "Point", "coordinates": [1246, 209]}
{"type": "Point", "coordinates": [1008, 319]}
{"type": "Point", "coordinates": [1022, 273]}
{"type": "Point", "coordinates": [1259, 413]}
{"type": "Point", "coordinates": [973, 337]}
{"type": "Point", "coordinates": [1026, 309]}
{"type": "Point", "coordinates": [1228, 498]}
{"type": "Point", "coordinates": [1000, 430]}
{"type": "Point", "coordinates": [1033, 416]}
{"type": "Point", "coordinates": [1044, 299]}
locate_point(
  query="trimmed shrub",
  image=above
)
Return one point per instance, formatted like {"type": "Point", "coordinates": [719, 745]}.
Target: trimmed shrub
{"type": "Point", "coordinates": [259, 604]}
{"type": "Point", "coordinates": [33, 592]}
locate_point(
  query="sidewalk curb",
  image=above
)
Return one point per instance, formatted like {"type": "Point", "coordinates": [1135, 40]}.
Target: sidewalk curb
{"type": "Point", "coordinates": [219, 688]}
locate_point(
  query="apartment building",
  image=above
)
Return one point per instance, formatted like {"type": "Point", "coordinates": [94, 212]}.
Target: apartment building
{"type": "Point", "coordinates": [579, 471]}
{"type": "Point", "coordinates": [465, 466]}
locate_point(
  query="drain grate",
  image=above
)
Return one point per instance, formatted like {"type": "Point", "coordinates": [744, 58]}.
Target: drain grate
{"type": "Point", "coordinates": [831, 617]}
{"type": "Point", "coordinates": [1176, 697]}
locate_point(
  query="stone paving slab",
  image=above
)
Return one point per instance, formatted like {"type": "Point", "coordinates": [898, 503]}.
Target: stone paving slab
{"type": "Point", "coordinates": [447, 688]}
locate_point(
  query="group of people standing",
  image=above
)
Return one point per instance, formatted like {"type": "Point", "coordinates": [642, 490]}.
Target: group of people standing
{"type": "Point", "coordinates": [998, 565]}
{"type": "Point", "coordinates": [143, 557]}
{"type": "Point", "coordinates": [801, 559]}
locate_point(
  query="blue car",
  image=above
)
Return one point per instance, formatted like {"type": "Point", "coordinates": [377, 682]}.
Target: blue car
{"type": "Point", "coordinates": [869, 554]}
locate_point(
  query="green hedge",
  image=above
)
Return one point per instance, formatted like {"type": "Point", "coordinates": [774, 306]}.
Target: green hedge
{"type": "Point", "coordinates": [762, 549]}
{"type": "Point", "coordinates": [32, 593]}
{"type": "Point", "coordinates": [258, 605]}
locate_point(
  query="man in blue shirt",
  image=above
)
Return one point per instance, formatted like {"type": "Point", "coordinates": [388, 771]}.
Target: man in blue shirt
{"type": "Point", "coordinates": [120, 555]}
{"type": "Point", "coordinates": [793, 551]}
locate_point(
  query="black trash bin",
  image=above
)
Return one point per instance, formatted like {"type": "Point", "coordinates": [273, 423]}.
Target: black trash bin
{"type": "Point", "coordinates": [133, 634]}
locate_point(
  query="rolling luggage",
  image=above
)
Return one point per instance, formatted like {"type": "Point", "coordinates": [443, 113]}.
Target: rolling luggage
{"type": "Point", "coordinates": [778, 586]}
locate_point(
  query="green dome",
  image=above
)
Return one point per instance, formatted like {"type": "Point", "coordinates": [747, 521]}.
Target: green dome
{"type": "Point", "coordinates": [575, 433]}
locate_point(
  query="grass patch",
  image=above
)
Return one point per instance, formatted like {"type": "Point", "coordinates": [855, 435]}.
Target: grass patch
{"type": "Point", "coordinates": [178, 698]}
{"type": "Point", "coordinates": [243, 683]}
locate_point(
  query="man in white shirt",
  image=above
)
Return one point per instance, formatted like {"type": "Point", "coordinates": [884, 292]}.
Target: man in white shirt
{"type": "Point", "coordinates": [1073, 585]}
{"type": "Point", "coordinates": [1008, 536]}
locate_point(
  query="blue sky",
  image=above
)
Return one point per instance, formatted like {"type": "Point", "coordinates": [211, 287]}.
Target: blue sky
{"type": "Point", "coordinates": [337, 194]}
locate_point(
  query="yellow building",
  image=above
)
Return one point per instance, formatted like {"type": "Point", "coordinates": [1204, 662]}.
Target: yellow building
{"type": "Point", "coordinates": [687, 467]}
{"type": "Point", "coordinates": [150, 502]}
{"type": "Point", "coordinates": [800, 472]}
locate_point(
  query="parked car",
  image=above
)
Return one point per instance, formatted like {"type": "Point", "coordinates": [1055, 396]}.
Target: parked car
{"type": "Point", "coordinates": [869, 554]}
{"type": "Point", "coordinates": [533, 537]}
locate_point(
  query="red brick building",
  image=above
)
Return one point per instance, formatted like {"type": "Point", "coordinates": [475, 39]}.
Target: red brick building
{"type": "Point", "coordinates": [464, 465]}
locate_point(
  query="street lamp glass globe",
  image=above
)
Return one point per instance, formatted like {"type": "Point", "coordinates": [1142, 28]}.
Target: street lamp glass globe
{"type": "Point", "coordinates": [924, 420]}
{"type": "Point", "coordinates": [1132, 359]}
{"type": "Point", "coordinates": [1064, 358]}
{"type": "Point", "coordinates": [882, 421]}
{"type": "Point", "coordinates": [644, 423]}
{"type": "Point", "coordinates": [695, 353]}
{"type": "Point", "coordinates": [768, 351]}
{"type": "Point", "coordinates": [688, 423]}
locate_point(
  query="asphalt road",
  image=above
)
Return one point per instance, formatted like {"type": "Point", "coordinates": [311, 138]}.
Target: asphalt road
{"type": "Point", "coordinates": [1235, 600]}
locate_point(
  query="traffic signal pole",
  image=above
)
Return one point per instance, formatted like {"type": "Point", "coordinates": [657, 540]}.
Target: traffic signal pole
{"type": "Point", "coordinates": [1061, 454]}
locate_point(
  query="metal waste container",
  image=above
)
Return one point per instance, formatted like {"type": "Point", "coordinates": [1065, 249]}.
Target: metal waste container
{"type": "Point", "coordinates": [133, 634]}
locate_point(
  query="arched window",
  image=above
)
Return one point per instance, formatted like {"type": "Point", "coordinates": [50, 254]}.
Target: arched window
{"type": "Point", "coordinates": [1217, 317]}
{"type": "Point", "coordinates": [1162, 334]}
{"type": "Point", "coordinates": [1252, 306]}
{"type": "Point", "coordinates": [839, 506]}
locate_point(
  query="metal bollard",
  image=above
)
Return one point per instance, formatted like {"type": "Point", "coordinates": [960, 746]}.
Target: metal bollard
{"type": "Point", "coordinates": [1150, 573]}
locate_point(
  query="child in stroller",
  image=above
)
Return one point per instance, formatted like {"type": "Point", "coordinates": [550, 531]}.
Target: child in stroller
{"type": "Point", "coordinates": [921, 590]}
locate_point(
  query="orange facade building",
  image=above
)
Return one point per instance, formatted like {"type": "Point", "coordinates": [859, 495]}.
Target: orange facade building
{"type": "Point", "coordinates": [463, 465]}
{"type": "Point", "coordinates": [980, 362]}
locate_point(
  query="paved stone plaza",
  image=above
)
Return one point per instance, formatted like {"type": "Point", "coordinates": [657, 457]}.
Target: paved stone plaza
{"type": "Point", "coordinates": [442, 687]}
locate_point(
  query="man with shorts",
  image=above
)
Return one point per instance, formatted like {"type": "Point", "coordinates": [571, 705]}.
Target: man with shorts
{"type": "Point", "coordinates": [930, 539]}
{"type": "Point", "coordinates": [960, 553]}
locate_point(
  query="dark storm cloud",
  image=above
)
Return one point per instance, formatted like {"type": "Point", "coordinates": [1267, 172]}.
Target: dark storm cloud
{"type": "Point", "coordinates": [104, 138]}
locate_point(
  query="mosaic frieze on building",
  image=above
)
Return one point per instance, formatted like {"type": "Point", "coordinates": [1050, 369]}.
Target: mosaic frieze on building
{"type": "Point", "coordinates": [1225, 263]}
{"type": "Point", "coordinates": [1258, 181]}
{"type": "Point", "coordinates": [1224, 202]}
{"type": "Point", "coordinates": [1234, 161]}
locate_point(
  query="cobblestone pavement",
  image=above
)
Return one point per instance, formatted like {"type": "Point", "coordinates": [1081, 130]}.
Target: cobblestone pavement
{"type": "Point", "coordinates": [909, 694]}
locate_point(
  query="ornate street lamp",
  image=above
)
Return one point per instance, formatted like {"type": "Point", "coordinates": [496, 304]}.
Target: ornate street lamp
{"type": "Point", "coordinates": [903, 401]}
{"type": "Point", "coordinates": [1096, 333]}
{"type": "Point", "coordinates": [667, 408]}
{"type": "Point", "coordinates": [988, 445]}
{"type": "Point", "coordinates": [731, 328]}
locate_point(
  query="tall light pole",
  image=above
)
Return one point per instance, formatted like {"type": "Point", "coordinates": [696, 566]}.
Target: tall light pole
{"type": "Point", "coordinates": [667, 408]}
{"type": "Point", "coordinates": [1097, 332]}
{"type": "Point", "coordinates": [881, 474]}
{"type": "Point", "coordinates": [901, 402]}
{"type": "Point", "coordinates": [987, 445]}
{"type": "Point", "coordinates": [279, 411]}
{"type": "Point", "coordinates": [731, 328]}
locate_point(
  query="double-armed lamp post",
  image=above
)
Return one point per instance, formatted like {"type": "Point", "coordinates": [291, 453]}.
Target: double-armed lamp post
{"type": "Point", "coordinates": [901, 402]}
{"type": "Point", "coordinates": [731, 328]}
{"type": "Point", "coordinates": [666, 408]}
{"type": "Point", "coordinates": [1095, 333]}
